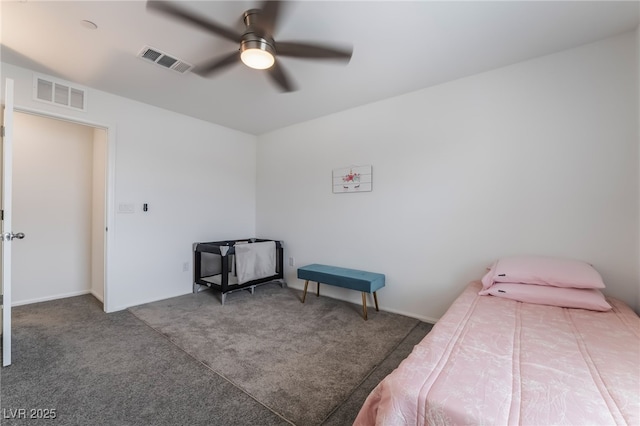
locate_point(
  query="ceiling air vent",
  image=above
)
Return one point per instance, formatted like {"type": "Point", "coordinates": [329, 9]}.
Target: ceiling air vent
{"type": "Point", "coordinates": [166, 61]}
{"type": "Point", "coordinates": [49, 90]}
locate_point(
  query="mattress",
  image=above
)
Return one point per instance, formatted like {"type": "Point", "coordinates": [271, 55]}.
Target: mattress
{"type": "Point", "coordinates": [494, 361]}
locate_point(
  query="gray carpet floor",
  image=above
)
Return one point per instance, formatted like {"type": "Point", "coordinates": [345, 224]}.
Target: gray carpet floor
{"type": "Point", "coordinates": [114, 369]}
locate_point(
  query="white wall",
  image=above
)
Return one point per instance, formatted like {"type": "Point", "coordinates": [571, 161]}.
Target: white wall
{"type": "Point", "coordinates": [198, 178]}
{"type": "Point", "coordinates": [52, 191]}
{"type": "Point", "coordinates": [540, 157]}
{"type": "Point", "coordinates": [638, 139]}
{"type": "Point", "coordinates": [98, 212]}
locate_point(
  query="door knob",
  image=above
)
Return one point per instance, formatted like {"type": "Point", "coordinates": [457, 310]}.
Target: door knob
{"type": "Point", "coordinates": [8, 236]}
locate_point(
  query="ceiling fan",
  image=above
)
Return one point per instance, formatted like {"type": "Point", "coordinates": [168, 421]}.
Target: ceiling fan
{"type": "Point", "coordinates": [257, 47]}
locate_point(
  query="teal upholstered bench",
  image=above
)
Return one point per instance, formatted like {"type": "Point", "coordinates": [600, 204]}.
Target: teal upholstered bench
{"type": "Point", "coordinates": [366, 282]}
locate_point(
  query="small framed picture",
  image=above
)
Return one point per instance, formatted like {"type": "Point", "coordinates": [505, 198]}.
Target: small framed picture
{"type": "Point", "coordinates": [352, 179]}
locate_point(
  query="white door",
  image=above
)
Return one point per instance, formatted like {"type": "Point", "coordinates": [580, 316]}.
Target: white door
{"type": "Point", "coordinates": [7, 235]}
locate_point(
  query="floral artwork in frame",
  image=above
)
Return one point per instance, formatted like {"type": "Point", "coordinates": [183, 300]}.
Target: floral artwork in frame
{"type": "Point", "coordinates": [352, 179]}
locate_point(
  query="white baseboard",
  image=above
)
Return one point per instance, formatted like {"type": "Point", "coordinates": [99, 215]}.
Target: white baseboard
{"type": "Point", "coordinates": [49, 298]}
{"type": "Point", "coordinates": [429, 320]}
{"type": "Point", "coordinates": [97, 296]}
{"type": "Point", "coordinates": [143, 302]}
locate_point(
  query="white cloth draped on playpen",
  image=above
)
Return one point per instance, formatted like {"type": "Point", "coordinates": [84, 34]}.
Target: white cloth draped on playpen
{"type": "Point", "coordinates": [255, 260]}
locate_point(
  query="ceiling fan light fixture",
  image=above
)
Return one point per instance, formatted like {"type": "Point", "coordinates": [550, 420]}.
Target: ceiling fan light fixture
{"type": "Point", "coordinates": [257, 47]}
{"type": "Point", "coordinates": [257, 54]}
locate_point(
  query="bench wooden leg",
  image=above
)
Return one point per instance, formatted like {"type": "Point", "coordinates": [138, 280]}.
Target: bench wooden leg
{"type": "Point", "coordinates": [306, 285]}
{"type": "Point", "coordinates": [364, 305]}
{"type": "Point", "coordinates": [375, 299]}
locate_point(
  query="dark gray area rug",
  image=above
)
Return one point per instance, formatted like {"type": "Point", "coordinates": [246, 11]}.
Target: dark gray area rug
{"type": "Point", "coordinates": [302, 361]}
{"type": "Point", "coordinates": [92, 368]}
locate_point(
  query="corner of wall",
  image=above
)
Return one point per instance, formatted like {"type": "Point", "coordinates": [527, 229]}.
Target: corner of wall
{"type": "Point", "coordinates": [638, 139]}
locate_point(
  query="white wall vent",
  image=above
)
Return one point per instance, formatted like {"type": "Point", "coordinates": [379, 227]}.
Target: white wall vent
{"type": "Point", "coordinates": [58, 92]}
{"type": "Point", "coordinates": [164, 60]}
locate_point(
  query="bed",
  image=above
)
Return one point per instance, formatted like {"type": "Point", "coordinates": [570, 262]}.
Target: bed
{"type": "Point", "coordinates": [232, 265]}
{"type": "Point", "coordinates": [497, 361]}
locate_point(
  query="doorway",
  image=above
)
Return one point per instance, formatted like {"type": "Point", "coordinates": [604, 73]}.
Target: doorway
{"type": "Point", "coordinates": [59, 202]}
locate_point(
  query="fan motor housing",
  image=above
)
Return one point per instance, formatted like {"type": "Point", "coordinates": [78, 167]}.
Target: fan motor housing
{"type": "Point", "coordinates": [251, 41]}
{"type": "Point", "coordinates": [252, 38]}
{"type": "Point", "coordinates": [250, 17]}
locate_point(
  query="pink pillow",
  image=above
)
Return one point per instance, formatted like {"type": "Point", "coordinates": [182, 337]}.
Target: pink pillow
{"type": "Point", "coordinates": [550, 271]}
{"type": "Point", "coordinates": [582, 298]}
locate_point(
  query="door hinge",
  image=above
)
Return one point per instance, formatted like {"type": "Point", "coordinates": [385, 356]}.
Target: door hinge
{"type": "Point", "coordinates": [2, 131]}
{"type": "Point", "coordinates": [1, 214]}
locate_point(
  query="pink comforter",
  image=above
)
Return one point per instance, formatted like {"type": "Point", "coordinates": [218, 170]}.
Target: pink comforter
{"type": "Point", "coordinates": [493, 361]}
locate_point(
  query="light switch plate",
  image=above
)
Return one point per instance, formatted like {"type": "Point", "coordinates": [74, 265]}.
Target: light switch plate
{"type": "Point", "coordinates": [125, 208]}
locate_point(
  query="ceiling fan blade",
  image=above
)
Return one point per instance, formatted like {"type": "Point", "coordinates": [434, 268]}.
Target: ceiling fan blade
{"type": "Point", "coordinates": [282, 80]}
{"type": "Point", "coordinates": [269, 12]}
{"type": "Point", "coordinates": [189, 17]}
{"type": "Point", "coordinates": [217, 64]}
{"type": "Point", "coordinates": [305, 50]}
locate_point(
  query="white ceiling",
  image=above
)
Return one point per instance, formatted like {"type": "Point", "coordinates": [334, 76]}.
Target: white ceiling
{"type": "Point", "coordinates": [399, 47]}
